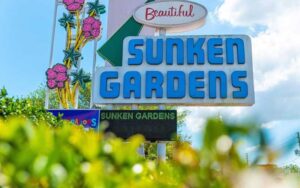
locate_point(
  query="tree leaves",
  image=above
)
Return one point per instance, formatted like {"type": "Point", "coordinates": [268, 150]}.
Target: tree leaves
{"type": "Point", "coordinates": [26, 107]}
{"type": "Point", "coordinates": [3, 92]}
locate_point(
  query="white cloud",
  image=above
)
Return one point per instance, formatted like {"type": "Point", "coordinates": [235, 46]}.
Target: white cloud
{"type": "Point", "coordinates": [195, 123]}
{"type": "Point", "coordinates": [196, 120]}
{"type": "Point", "coordinates": [252, 149]}
{"type": "Point", "coordinates": [269, 125]}
{"type": "Point", "coordinates": [276, 58]}
{"type": "Point", "coordinates": [275, 124]}
{"type": "Point", "coordinates": [276, 50]}
{"type": "Point", "coordinates": [252, 12]}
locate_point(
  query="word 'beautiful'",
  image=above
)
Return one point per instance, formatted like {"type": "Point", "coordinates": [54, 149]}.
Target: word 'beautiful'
{"type": "Point", "coordinates": [181, 11]}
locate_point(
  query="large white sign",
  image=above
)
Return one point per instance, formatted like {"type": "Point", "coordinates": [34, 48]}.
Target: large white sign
{"type": "Point", "coordinates": [180, 70]}
{"type": "Point", "coordinates": [175, 16]}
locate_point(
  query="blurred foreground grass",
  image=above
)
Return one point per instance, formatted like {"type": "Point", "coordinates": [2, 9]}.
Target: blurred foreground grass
{"type": "Point", "coordinates": [67, 156]}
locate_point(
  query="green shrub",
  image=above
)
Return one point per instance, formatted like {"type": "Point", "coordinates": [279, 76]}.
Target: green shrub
{"type": "Point", "coordinates": [27, 108]}
{"type": "Point", "coordinates": [40, 150]}
{"type": "Point", "coordinates": [67, 156]}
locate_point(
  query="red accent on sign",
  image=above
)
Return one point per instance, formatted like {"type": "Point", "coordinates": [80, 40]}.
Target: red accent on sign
{"type": "Point", "coordinates": [151, 13]}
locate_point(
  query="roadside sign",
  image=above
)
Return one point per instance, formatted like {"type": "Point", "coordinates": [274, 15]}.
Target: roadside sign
{"type": "Point", "coordinates": [154, 125]}
{"type": "Point", "coordinates": [87, 118]}
{"type": "Point", "coordinates": [213, 70]}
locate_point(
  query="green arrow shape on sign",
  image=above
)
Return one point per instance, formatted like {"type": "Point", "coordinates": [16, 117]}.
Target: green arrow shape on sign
{"type": "Point", "coordinates": [112, 50]}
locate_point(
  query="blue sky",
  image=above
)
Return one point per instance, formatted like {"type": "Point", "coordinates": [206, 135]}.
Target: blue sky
{"type": "Point", "coordinates": [25, 44]}
{"type": "Point", "coordinates": [25, 37]}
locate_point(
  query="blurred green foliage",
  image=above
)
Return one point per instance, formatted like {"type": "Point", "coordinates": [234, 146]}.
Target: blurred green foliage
{"type": "Point", "coordinates": [68, 156]}
{"type": "Point", "coordinates": [39, 150]}
{"type": "Point", "coordinates": [30, 108]}
{"type": "Point", "coordinates": [292, 169]}
{"type": "Point", "coordinates": [84, 103]}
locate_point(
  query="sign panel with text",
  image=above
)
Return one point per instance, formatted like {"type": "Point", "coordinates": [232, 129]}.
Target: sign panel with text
{"type": "Point", "coordinates": [154, 125]}
{"type": "Point", "coordinates": [180, 70]}
{"type": "Point", "coordinates": [87, 118]}
{"type": "Point", "coordinates": [173, 15]}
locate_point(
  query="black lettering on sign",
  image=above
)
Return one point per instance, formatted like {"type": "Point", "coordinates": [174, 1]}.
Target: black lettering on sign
{"type": "Point", "coordinates": [154, 125]}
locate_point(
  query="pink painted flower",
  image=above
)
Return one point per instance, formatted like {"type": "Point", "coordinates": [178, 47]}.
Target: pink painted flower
{"type": "Point", "coordinates": [91, 27]}
{"type": "Point", "coordinates": [74, 5]}
{"type": "Point", "coordinates": [60, 85]}
{"type": "Point", "coordinates": [87, 27]}
{"type": "Point", "coordinates": [61, 77]}
{"type": "Point", "coordinates": [51, 74]}
{"type": "Point", "coordinates": [60, 68]}
{"type": "Point", "coordinates": [87, 35]}
{"type": "Point", "coordinates": [51, 84]}
{"type": "Point", "coordinates": [57, 76]}
{"type": "Point", "coordinates": [89, 20]}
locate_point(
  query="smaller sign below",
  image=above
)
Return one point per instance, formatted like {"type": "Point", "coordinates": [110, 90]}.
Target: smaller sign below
{"type": "Point", "coordinates": [87, 118]}
{"type": "Point", "coordinates": [154, 125]}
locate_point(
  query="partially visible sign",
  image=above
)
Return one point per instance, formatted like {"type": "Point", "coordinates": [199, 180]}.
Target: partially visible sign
{"type": "Point", "coordinates": [87, 118]}
{"type": "Point", "coordinates": [153, 125]}
{"type": "Point", "coordinates": [119, 13]}
{"type": "Point", "coordinates": [180, 70]}
{"type": "Point", "coordinates": [120, 25]}
{"type": "Point", "coordinates": [175, 16]}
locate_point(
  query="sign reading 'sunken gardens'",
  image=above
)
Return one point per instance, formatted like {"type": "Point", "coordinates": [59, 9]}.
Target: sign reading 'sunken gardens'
{"type": "Point", "coordinates": [180, 70]}
{"type": "Point", "coordinates": [153, 125]}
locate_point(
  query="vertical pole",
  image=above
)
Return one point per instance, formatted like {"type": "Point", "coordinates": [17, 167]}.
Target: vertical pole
{"type": "Point", "coordinates": [77, 90]}
{"type": "Point", "coordinates": [162, 146]}
{"type": "Point", "coordinates": [247, 159]}
{"type": "Point", "coordinates": [141, 149]}
{"type": "Point", "coordinates": [79, 61]}
{"type": "Point", "coordinates": [162, 32]}
{"type": "Point", "coordinates": [94, 71]}
{"type": "Point", "coordinates": [297, 151]}
{"type": "Point", "coordinates": [298, 137]}
{"type": "Point", "coordinates": [51, 50]}
{"type": "Point", "coordinates": [162, 151]}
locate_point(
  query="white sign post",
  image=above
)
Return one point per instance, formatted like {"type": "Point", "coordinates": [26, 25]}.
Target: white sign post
{"type": "Point", "coordinates": [162, 146]}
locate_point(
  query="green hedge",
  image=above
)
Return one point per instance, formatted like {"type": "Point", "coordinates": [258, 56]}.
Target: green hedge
{"type": "Point", "coordinates": [39, 150]}
{"type": "Point", "coordinates": [30, 108]}
{"type": "Point", "coordinates": [67, 156]}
